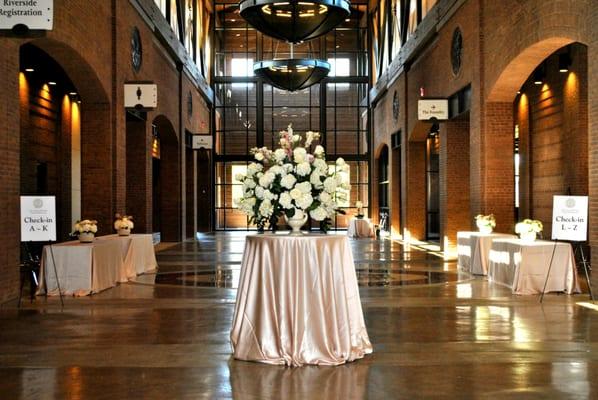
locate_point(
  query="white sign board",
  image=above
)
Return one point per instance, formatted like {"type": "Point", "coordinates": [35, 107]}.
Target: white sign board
{"type": "Point", "coordinates": [34, 14]}
{"type": "Point", "coordinates": [201, 141]}
{"type": "Point", "coordinates": [143, 95]}
{"type": "Point", "coordinates": [432, 108]}
{"type": "Point", "coordinates": [570, 218]}
{"type": "Point", "coordinates": [38, 219]}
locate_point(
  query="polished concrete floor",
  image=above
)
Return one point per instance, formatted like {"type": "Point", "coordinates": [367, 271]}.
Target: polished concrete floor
{"type": "Point", "coordinates": [437, 333]}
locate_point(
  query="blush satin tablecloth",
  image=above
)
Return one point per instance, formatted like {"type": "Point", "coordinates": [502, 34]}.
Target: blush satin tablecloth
{"type": "Point", "coordinates": [523, 266]}
{"type": "Point", "coordinates": [360, 228]}
{"type": "Point", "coordinates": [82, 268]}
{"type": "Point", "coordinates": [138, 254]}
{"type": "Point", "coordinates": [298, 302]}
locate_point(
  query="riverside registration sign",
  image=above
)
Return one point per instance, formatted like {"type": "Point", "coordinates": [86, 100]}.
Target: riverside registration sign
{"type": "Point", "coordinates": [34, 14]}
{"type": "Point", "coordinates": [570, 218]}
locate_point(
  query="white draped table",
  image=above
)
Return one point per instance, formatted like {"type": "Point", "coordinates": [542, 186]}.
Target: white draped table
{"type": "Point", "coordinates": [298, 302]}
{"type": "Point", "coordinates": [359, 228]}
{"type": "Point", "coordinates": [523, 266]}
{"type": "Point", "coordinates": [138, 254]}
{"type": "Point", "coordinates": [82, 268]}
{"type": "Point", "coordinates": [473, 250]}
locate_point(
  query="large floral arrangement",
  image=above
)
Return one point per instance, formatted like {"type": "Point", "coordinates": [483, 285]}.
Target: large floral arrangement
{"type": "Point", "coordinates": [293, 182]}
{"type": "Point", "coordinates": [528, 226]}
{"type": "Point", "coordinates": [86, 226]}
{"type": "Point", "coordinates": [123, 222]}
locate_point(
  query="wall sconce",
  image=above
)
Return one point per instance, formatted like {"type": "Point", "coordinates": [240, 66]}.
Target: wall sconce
{"type": "Point", "coordinates": [564, 62]}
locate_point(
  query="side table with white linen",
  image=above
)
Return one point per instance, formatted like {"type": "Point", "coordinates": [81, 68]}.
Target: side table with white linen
{"type": "Point", "coordinates": [298, 302]}
{"type": "Point", "coordinates": [523, 266]}
{"type": "Point", "coordinates": [360, 228]}
{"type": "Point", "coordinates": [138, 254]}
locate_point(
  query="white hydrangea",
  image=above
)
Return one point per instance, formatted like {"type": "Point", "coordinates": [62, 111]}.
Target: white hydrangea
{"type": "Point", "coordinates": [267, 179]}
{"type": "Point", "coordinates": [305, 201]}
{"type": "Point", "coordinates": [239, 177]}
{"type": "Point", "coordinates": [285, 200]}
{"type": "Point", "coordinates": [296, 194]}
{"type": "Point", "coordinates": [268, 195]}
{"type": "Point", "coordinates": [299, 155]}
{"type": "Point", "coordinates": [277, 170]}
{"type": "Point", "coordinates": [316, 179]}
{"type": "Point", "coordinates": [259, 192]}
{"type": "Point", "coordinates": [325, 198]}
{"type": "Point", "coordinates": [319, 214]}
{"type": "Point", "coordinates": [330, 184]}
{"type": "Point", "coordinates": [321, 166]}
{"type": "Point", "coordinates": [280, 155]}
{"type": "Point", "coordinates": [248, 184]}
{"type": "Point", "coordinates": [319, 151]}
{"type": "Point", "coordinates": [253, 169]}
{"type": "Point", "coordinates": [288, 181]}
{"type": "Point", "coordinates": [340, 161]}
{"type": "Point", "coordinates": [259, 156]}
{"type": "Point", "coordinates": [266, 208]}
{"type": "Point", "coordinates": [305, 187]}
{"type": "Point", "coordinates": [303, 169]}
{"type": "Point", "coordinates": [288, 168]}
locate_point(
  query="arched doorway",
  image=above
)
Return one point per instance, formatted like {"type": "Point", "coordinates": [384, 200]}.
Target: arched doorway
{"type": "Point", "coordinates": [65, 131]}
{"type": "Point", "coordinates": [166, 180]}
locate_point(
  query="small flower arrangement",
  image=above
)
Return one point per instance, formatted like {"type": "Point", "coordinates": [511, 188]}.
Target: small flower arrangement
{"type": "Point", "coordinates": [123, 224]}
{"type": "Point", "coordinates": [292, 182]}
{"type": "Point", "coordinates": [359, 206]}
{"type": "Point", "coordinates": [528, 226]}
{"type": "Point", "coordinates": [485, 221]}
{"type": "Point", "coordinates": [86, 226]}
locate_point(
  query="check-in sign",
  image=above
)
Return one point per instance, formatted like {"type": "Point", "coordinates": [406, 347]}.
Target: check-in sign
{"type": "Point", "coordinates": [570, 218]}
{"type": "Point", "coordinates": [38, 218]}
{"type": "Point", "coordinates": [34, 14]}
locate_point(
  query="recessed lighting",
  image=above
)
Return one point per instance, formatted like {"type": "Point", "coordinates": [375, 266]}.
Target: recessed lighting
{"type": "Point", "coordinates": [29, 70]}
{"type": "Point", "coordinates": [240, 45]}
{"type": "Point", "coordinates": [233, 20]}
{"type": "Point", "coordinates": [347, 20]}
{"type": "Point", "coordinates": [73, 93]}
{"type": "Point", "coordinates": [238, 34]}
{"type": "Point", "coordinates": [52, 83]}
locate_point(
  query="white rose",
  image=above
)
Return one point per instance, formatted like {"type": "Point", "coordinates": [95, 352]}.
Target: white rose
{"type": "Point", "coordinates": [299, 155]}
{"type": "Point", "coordinates": [94, 228]}
{"type": "Point", "coordinates": [296, 194]}
{"type": "Point", "coordinates": [296, 138]}
{"type": "Point", "coordinates": [305, 187]}
{"type": "Point", "coordinates": [267, 179]}
{"type": "Point", "coordinates": [319, 214]}
{"type": "Point", "coordinates": [288, 181]}
{"type": "Point", "coordinates": [248, 184]}
{"type": "Point", "coordinates": [266, 208]}
{"type": "Point", "coordinates": [288, 167]}
{"type": "Point", "coordinates": [268, 195]}
{"type": "Point", "coordinates": [285, 200]}
{"type": "Point", "coordinates": [318, 151]}
{"type": "Point", "coordinates": [325, 197]}
{"type": "Point", "coordinates": [280, 155]}
{"type": "Point", "coordinates": [303, 169]}
{"type": "Point", "coordinates": [305, 201]}
{"type": "Point", "coordinates": [321, 165]}
{"type": "Point", "coordinates": [277, 170]}
{"type": "Point", "coordinates": [259, 192]}
{"type": "Point", "coordinates": [315, 179]}
{"type": "Point", "coordinates": [240, 177]}
{"type": "Point", "coordinates": [259, 156]}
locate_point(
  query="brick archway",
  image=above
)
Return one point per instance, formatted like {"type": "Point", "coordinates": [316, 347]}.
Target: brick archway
{"type": "Point", "coordinates": [167, 182]}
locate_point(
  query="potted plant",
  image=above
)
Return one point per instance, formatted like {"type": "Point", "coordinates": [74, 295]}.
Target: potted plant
{"type": "Point", "coordinates": [86, 229]}
{"type": "Point", "coordinates": [293, 183]}
{"type": "Point", "coordinates": [123, 224]}
{"type": "Point", "coordinates": [485, 223]}
{"type": "Point", "coordinates": [528, 229]}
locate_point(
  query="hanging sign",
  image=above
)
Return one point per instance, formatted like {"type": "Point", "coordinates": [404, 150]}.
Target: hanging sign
{"type": "Point", "coordinates": [33, 14]}
{"type": "Point", "coordinates": [432, 108]}
{"type": "Point", "coordinates": [38, 219]}
{"type": "Point", "coordinates": [201, 142]}
{"type": "Point", "coordinates": [570, 218]}
{"type": "Point", "coordinates": [141, 95]}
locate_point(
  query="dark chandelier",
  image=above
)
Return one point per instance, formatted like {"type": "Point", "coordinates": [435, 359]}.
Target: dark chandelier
{"type": "Point", "coordinates": [294, 21]}
{"type": "Point", "coordinates": [292, 74]}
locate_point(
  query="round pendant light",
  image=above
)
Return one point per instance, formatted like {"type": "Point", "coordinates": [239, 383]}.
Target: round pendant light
{"type": "Point", "coordinates": [292, 20]}
{"type": "Point", "coordinates": [292, 74]}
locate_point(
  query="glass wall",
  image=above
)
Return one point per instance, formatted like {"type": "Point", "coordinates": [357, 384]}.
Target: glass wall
{"type": "Point", "coordinates": [250, 112]}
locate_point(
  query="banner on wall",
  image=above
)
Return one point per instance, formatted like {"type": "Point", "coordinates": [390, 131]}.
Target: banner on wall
{"type": "Point", "coordinates": [570, 218]}
{"type": "Point", "coordinates": [32, 14]}
{"type": "Point", "coordinates": [38, 219]}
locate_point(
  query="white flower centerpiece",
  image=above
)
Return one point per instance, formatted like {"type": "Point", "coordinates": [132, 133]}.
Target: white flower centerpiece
{"type": "Point", "coordinates": [123, 224]}
{"type": "Point", "coordinates": [528, 229]}
{"type": "Point", "coordinates": [485, 223]}
{"type": "Point", "coordinates": [293, 183]}
{"type": "Point", "coordinates": [359, 206]}
{"type": "Point", "coordinates": [86, 230]}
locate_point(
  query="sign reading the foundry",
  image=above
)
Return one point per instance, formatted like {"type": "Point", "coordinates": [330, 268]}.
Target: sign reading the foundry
{"type": "Point", "coordinates": [33, 14]}
{"type": "Point", "coordinates": [38, 218]}
{"type": "Point", "coordinates": [570, 218]}
{"type": "Point", "coordinates": [201, 142]}
{"type": "Point", "coordinates": [432, 108]}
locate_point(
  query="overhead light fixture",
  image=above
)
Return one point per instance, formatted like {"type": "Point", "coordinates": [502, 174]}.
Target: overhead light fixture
{"type": "Point", "coordinates": [292, 74]}
{"type": "Point", "coordinates": [539, 75]}
{"type": "Point", "coordinates": [294, 21]}
{"type": "Point", "coordinates": [564, 62]}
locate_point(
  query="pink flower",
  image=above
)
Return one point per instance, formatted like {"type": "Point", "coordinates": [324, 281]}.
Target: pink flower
{"type": "Point", "coordinates": [310, 158]}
